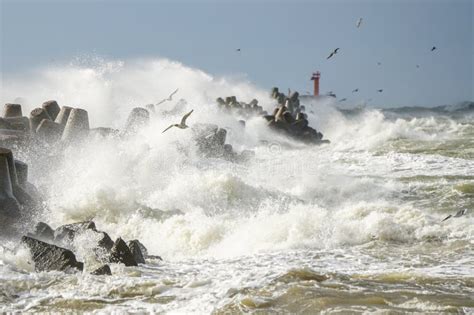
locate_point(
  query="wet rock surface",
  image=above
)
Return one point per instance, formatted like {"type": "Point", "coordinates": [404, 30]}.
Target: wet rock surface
{"type": "Point", "coordinates": [120, 253]}
{"type": "Point", "coordinates": [103, 270]}
{"type": "Point", "coordinates": [49, 257]}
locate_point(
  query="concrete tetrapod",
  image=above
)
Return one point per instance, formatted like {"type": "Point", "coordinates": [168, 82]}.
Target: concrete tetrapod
{"type": "Point", "coordinates": [77, 125]}
{"type": "Point", "coordinates": [12, 110]}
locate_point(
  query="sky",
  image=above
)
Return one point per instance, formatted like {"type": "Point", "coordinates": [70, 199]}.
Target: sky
{"type": "Point", "coordinates": [282, 42]}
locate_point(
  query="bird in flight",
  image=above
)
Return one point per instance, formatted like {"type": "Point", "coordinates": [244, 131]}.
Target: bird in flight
{"type": "Point", "coordinates": [356, 90]}
{"type": "Point", "coordinates": [182, 124]}
{"type": "Point", "coordinates": [238, 49]}
{"type": "Point", "coordinates": [457, 215]}
{"type": "Point", "coordinates": [333, 53]}
{"type": "Point", "coordinates": [433, 49]}
{"type": "Point", "coordinates": [417, 66]}
{"type": "Point", "coordinates": [342, 100]}
{"type": "Point", "coordinates": [379, 63]}
{"type": "Point", "coordinates": [359, 22]}
{"type": "Point", "coordinates": [170, 98]}
{"type": "Point", "coordinates": [380, 91]}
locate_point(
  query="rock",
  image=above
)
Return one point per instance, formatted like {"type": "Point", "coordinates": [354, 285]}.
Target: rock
{"type": "Point", "coordinates": [49, 257]}
{"type": "Point", "coordinates": [135, 247]}
{"type": "Point", "coordinates": [66, 233]}
{"type": "Point", "coordinates": [105, 241]}
{"type": "Point", "coordinates": [43, 232]}
{"type": "Point", "coordinates": [138, 118]}
{"type": "Point", "coordinates": [120, 253]}
{"type": "Point", "coordinates": [12, 110]}
{"type": "Point", "coordinates": [49, 131]}
{"type": "Point", "coordinates": [77, 125]}
{"type": "Point", "coordinates": [36, 116]}
{"type": "Point", "coordinates": [52, 108]}
{"type": "Point", "coordinates": [63, 115]}
{"type": "Point", "coordinates": [101, 271]}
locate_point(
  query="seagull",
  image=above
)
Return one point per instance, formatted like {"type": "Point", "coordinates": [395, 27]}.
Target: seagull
{"type": "Point", "coordinates": [359, 22]}
{"type": "Point", "coordinates": [170, 98]}
{"type": "Point", "coordinates": [356, 90]}
{"type": "Point", "coordinates": [238, 49]}
{"type": "Point", "coordinates": [333, 53]}
{"type": "Point", "coordinates": [182, 124]}
{"type": "Point", "coordinates": [457, 215]}
{"type": "Point", "coordinates": [379, 63]}
{"type": "Point", "coordinates": [342, 100]}
{"type": "Point", "coordinates": [417, 66]}
{"type": "Point", "coordinates": [380, 91]}
{"type": "Point", "coordinates": [432, 49]}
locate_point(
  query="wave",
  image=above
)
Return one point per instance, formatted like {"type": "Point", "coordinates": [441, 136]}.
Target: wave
{"type": "Point", "coordinates": [155, 187]}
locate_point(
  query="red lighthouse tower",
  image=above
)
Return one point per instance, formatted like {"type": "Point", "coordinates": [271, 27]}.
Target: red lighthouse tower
{"type": "Point", "coordinates": [315, 78]}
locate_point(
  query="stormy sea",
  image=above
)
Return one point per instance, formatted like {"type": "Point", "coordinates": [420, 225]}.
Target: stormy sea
{"type": "Point", "coordinates": [351, 226]}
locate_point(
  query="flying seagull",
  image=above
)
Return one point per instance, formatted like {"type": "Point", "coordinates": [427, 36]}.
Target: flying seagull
{"type": "Point", "coordinates": [356, 90]}
{"type": "Point", "coordinates": [379, 63]}
{"type": "Point", "coordinates": [380, 91]}
{"type": "Point", "coordinates": [457, 215]}
{"type": "Point", "coordinates": [359, 22]}
{"type": "Point", "coordinates": [238, 49]}
{"type": "Point", "coordinates": [333, 53]}
{"type": "Point", "coordinates": [182, 124]}
{"type": "Point", "coordinates": [170, 98]}
{"type": "Point", "coordinates": [417, 66]}
{"type": "Point", "coordinates": [432, 49]}
{"type": "Point", "coordinates": [342, 100]}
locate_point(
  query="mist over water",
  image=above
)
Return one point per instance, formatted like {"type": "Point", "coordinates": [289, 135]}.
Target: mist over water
{"type": "Point", "coordinates": [362, 210]}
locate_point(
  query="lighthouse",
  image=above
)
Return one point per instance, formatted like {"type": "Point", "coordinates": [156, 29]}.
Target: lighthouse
{"type": "Point", "coordinates": [315, 78]}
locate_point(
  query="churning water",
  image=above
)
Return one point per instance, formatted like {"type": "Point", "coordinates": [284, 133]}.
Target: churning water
{"type": "Point", "coordinates": [353, 226]}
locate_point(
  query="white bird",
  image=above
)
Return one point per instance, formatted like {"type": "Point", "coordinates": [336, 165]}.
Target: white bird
{"type": "Point", "coordinates": [333, 53]}
{"type": "Point", "coordinates": [170, 98]}
{"type": "Point", "coordinates": [457, 215]}
{"type": "Point", "coordinates": [359, 22]}
{"type": "Point", "coordinates": [182, 124]}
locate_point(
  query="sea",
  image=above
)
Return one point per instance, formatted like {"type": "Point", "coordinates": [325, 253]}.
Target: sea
{"type": "Point", "coordinates": [350, 227]}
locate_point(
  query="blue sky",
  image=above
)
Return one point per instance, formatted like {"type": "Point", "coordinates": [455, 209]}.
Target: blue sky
{"type": "Point", "coordinates": [281, 42]}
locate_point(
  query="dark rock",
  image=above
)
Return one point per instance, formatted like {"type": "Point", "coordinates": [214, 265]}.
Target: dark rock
{"type": "Point", "coordinates": [52, 108]}
{"type": "Point", "coordinates": [49, 257]}
{"type": "Point", "coordinates": [101, 271]}
{"type": "Point", "coordinates": [135, 247]}
{"type": "Point", "coordinates": [121, 254]}
{"type": "Point", "coordinates": [66, 233]}
{"type": "Point", "coordinates": [105, 241]}
{"type": "Point", "coordinates": [43, 232]}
